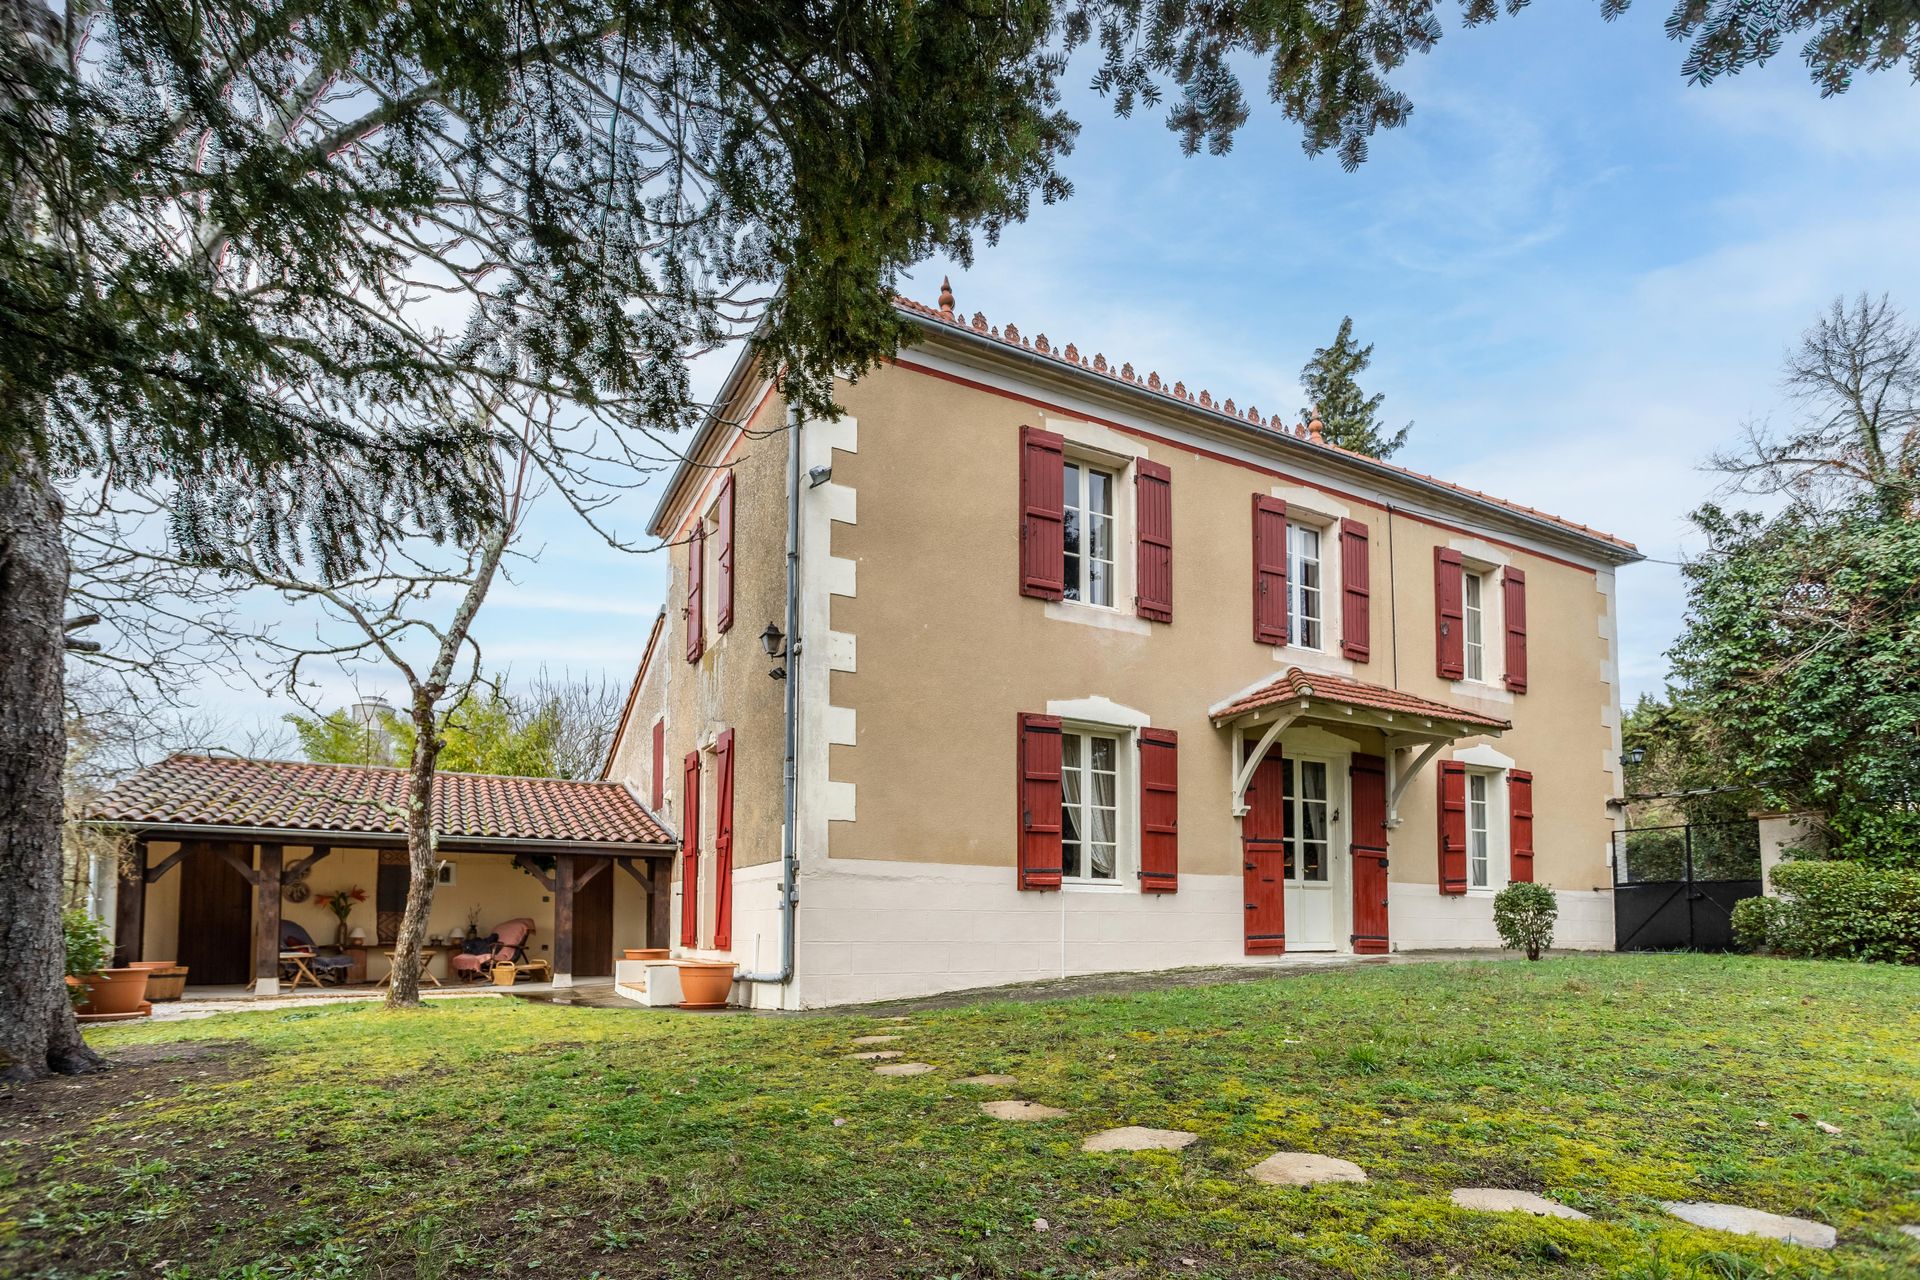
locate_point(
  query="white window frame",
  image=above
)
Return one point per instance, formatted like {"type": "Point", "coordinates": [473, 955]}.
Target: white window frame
{"type": "Point", "coordinates": [1492, 624]}
{"type": "Point", "coordinates": [1498, 858]}
{"type": "Point", "coordinates": [1296, 586]}
{"type": "Point", "coordinates": [1119, 540]}
{"type": "Point", "coordinates": [1473, 625]}
{"type": "Point", "coordinates": [1296, 818]}
{"type": "Point", "coordinates": [1126, 800]}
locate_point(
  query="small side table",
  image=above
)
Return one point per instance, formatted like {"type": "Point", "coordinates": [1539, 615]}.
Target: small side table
{"type": "Point", "coordinates": [426, 966]}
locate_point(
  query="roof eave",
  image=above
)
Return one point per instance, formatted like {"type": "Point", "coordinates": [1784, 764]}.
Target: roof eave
{"type": "Point", "coordinates": [1221, 424]}
{"type": "Point", "coordinates": [311, 835]}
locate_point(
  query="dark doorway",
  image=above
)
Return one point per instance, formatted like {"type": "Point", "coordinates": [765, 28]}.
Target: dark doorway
{"type": "Point", "coordinates": [216, 919]}
{"type": "Point", "coordinates": [593, 924]}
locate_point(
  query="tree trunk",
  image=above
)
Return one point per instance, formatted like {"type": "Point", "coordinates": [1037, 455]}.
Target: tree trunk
{"type": "Point", "coordinates": [37, 1031]}
{"type": "Point", "coordinates": [403, 991]}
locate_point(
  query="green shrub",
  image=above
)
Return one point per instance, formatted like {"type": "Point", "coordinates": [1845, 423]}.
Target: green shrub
{"type": "Point", "coordinates": [87, 947]}
{"type": "Point", "coordinates": [1756, 924]}
{"type": "Point", "coordinates": [1524, 913]}
{"type": "Point", "coordinates": [1847, 911]}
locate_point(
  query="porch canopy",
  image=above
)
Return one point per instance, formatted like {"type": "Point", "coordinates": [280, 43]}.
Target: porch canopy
{"type": "Point", "coordinates": [1258, 716]}
{"type": "Point", "coordinates": [222, 806]}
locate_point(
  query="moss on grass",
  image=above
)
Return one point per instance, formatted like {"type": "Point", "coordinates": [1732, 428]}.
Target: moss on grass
{"type": "Point", "coordinates": [498, 1137]}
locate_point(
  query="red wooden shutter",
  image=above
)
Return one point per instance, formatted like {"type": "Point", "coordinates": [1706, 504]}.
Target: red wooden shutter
{"type": "Point", "coordinates": [1449, 614]}
{"type": "Point", "coordinates": [1514, 585]}
{"type": "Point", "coordinates": [690, 852]}
{"type": "Point", "coordinates": [1043, 518]}
{"type": "Point", "coordinates": [723, 557]}
{"type": "Point", "coordinates": [1153, 519]}
{"type": "Point", "coordinates": [1356, 592]}
{"type": "Point", "coordinates": [1039, 752]}
{"type": "Point", "coordinates": [1453, 827]}
{"type": "Point", "coordinates": [1159, 811]}
{"type": "Point", "coordinates": [1269, 570]}
{"type": "Point", "coordinates": [723, 840]}
{"type": "Point", "coordinates": [659, 764]}
{"type": "Point", "coordinates": [1520, 824]}
{"type": "Point", "coordinates": [696, 601]}
{"type": "Point", "coordinates": [1369, 778]}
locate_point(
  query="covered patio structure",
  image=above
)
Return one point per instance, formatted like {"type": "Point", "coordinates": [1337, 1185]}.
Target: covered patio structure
{"type": "Point", "coordinates": [226, 857]}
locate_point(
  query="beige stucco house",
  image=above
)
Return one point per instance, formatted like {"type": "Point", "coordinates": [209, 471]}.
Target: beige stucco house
{"type": "Point", "coordinates": [1088, 671]}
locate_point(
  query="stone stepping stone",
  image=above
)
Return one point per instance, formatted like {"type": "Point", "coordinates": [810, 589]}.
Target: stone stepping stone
{"type": "Point", "coordinates": [1303, 1169]}
{"type": "Point", "coordinates": [1913, 1231]}
{"type": "Point", "coordinates": [1500, 1200]}
{"type": "Point", "coordinates": [903, 1069]}
{"type": "Point", "coordinates": [989, 1080]}
{"type": "Point", "coordinates": [1135, 1138]}
{"type": "Point", "coordinates": [1017, 1109]}
{"type": "Point", "coordinates": [1742, 1221]}
{"type": "Point", "coordinates": [876, 1055]}
{"type": "Point", "coordinates": [874, 1039]}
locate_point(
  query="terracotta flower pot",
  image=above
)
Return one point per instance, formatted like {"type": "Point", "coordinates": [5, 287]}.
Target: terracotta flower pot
{"type": "Point", "coordinates": [647, 953]}
{"type": "Point", "coordinates": [115, 991]}
{"type": "Point", "coordinates": [705, 985]}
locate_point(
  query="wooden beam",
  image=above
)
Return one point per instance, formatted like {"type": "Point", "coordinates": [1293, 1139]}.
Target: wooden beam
{"type": "Point", "coordinates": [240, 864]}
{"type": "Point", "coordinates": [641, 878]}
{"type": "Point", "coordinates": [564, 883]}
{"type": "Point", "coordinates": [527, 865]}
{"type": "Point", "coordinates": [130, 905]}
{"type": "Point", "coordinates": [597, 866]}
{"type": "Point", "coordinates": [169, 862]}
{"type": "Point", "coordinates": [306, 864]}
{"type": "Point", "coordinates": [266, 915]}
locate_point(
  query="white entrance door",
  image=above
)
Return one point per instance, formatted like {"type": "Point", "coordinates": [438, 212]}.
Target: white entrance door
{"type": "Point", "coordinates": [1310, 813]}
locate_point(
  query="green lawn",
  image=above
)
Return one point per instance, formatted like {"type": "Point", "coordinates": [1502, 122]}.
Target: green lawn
{"type": "Point", "coordinates": [497, 1137]}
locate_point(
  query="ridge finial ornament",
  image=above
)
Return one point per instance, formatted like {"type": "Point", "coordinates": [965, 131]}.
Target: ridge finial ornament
{"type": "Point", "coordinates": [946, 295]}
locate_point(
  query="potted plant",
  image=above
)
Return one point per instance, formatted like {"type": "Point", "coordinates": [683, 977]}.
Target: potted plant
{"type": "Point", "coordinates": [340, 902]}
{"type": "Point", "coordinates": [97, 991]}
{"type": "Point", "coordinates": [646, 953]}
{"type": "Point", "coordinates": [705, 984]}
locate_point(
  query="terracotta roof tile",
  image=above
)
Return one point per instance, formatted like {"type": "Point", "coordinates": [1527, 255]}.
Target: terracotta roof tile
{"type": "Point", "coordinates": [1098, 366]}
{"type": "Point", "coordinates": [191, 790]}
{"type": "Point", "coordinates": [1294, 683]}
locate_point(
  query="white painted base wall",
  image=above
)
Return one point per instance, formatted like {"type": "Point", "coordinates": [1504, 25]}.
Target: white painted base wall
{"type": "Point", "coordinates": [871, 930]}
{"type": "Point", "coordinates": [1420, 918]}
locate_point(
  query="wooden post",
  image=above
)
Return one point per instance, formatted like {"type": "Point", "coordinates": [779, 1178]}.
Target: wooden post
{"type": "Point", "coordinates": [130, 906]}
{"type": "Point", "coordinates": [659, 902]}
{"type": "Point", "coordinates": [266, 921]}
{"type": "Point", "coordinates": [563, 885]}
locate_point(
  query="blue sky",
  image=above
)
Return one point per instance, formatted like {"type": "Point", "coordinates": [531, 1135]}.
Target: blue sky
{"type": "Point", "coordinates": [1579, 272]}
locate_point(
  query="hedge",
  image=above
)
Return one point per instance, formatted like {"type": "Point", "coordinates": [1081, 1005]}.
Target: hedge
{"type": "Point", "coordinates": [1837, 911]}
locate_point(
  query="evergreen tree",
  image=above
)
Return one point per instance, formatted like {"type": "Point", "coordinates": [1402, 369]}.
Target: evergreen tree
{"type": "Point", "coordinates": [1349, 417]}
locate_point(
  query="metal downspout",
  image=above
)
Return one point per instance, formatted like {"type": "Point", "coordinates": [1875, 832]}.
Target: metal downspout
{"type": "Point", "coordinates": [789, 774]}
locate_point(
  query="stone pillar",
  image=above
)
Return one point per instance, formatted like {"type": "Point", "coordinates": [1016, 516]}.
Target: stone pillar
{"type": "Point", "coordinates": [1780, 832]}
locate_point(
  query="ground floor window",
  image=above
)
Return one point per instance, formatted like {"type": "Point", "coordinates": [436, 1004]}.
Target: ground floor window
{"type": "Point", "coordinates": [1479, 831]}
{"type": "Point", "coordinates": [1089, 806]}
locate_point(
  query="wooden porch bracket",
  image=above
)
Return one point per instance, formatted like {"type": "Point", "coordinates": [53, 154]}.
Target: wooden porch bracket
{"type": "Point", "coordinates": [1243, 774]}
{"type": "Point", "coordinates": [240, 864]}
{"type": "Point", "coordinates": [599, 865]}
{"type": "Point", "coordinates": [306, 864]}
{"type": "Point", "coordinates": [527, 865]}
{"type": "Point", "coordinates": [169, 862]}
{"type": "Point", "coordinates": [641, 878]}
{"type": "Point", "coordinates": [1397, 779]}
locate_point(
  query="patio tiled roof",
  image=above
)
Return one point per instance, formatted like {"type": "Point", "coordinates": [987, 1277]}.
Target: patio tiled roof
{"type": "Point", "coordinates": [1293, 684]}
{"type": "Point", "coordinates": [279, 795]}
{"type": "Point", "coordinates": [1097, 365]}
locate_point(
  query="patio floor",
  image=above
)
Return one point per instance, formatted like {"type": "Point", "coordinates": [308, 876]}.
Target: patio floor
{"type": "Point", "coordinates": [205, 1002]}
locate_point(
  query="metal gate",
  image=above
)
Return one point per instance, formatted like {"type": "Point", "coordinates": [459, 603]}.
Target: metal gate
{"type": "Point", "coordinates": [1674, 887]}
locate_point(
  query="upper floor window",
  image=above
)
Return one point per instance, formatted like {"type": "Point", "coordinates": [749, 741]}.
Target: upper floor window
{"type": "Point", "coordinates": [1474, 627]}
{"type": "Point", "coordinates": [1089, 806]}
{"type": "Point", "coordinates": [1479, 831]}
{"type": "Point", "coordinates": [1089, 534]}
{"type": "Point", "coordinates": [1305, 607]}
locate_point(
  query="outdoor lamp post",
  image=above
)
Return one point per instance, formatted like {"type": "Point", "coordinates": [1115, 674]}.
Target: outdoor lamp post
{"type": "Point", "coordinates": [774, 641]}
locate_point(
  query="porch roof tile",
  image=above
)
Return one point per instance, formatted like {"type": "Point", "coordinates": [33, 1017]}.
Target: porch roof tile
{"type": "Point", "coordinates": [1293, 683]}
{"type": "Point", "coordinates": [208, 791]}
